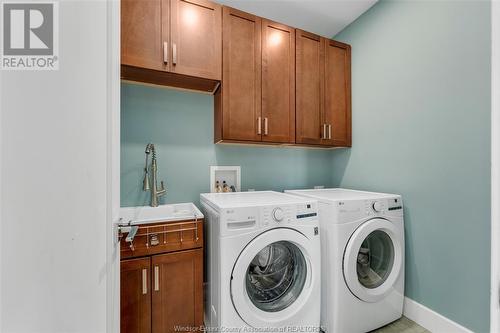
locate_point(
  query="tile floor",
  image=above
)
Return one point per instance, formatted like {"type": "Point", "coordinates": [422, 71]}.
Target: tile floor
{"type": "Point", "coordinates": [403, 325]}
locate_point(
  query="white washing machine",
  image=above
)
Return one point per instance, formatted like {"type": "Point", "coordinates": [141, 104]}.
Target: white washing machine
{"type": "Point", "coordinates": [362, 235]}
{"type": "Point", "coordinates": [263, 261]}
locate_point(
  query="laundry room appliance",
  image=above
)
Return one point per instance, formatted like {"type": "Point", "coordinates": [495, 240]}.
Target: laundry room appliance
{"type": "Point", "coordinates": [263, 261]}
{"type": "Point", "coordinates": [362, 243]}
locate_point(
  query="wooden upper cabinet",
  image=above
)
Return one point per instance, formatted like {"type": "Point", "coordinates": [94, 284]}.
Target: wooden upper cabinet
{"type": "Point", "coordinates": [174, 43]}
{"type": "Point", "coordinates": [310, 80]}
{"type": "Point", "coordinates": [239, 118]}
{"type": "Point", "coordinates": [135, 295]}
{"type": "Point", "coordinates": [177, 290]}
{"type": "Point", "coordinates": [338, 93]}
{"type": "Point", "coordinates": [195, 38]}
{"type": "Point", "coordinates": [141, 33]}
{"type": "Point", "coordinates": [278, 82]}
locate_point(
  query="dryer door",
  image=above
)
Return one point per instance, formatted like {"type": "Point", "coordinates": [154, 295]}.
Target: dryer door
{"type": "Point", "coordinates": [373, 260]}
{"type": "Point", "coordinates": [271, 279]}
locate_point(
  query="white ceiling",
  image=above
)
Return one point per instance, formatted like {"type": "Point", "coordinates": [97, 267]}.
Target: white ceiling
{"type": "Point", "coordinates": [323, 17]}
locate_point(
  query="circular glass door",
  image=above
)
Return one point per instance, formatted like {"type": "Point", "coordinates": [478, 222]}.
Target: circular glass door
{"type": "Point", "coordinates": [272, 278]}
{"type": "Point", "coordinates": [373, 259]}
{"type": "Point", "coordinates": [276, 276]}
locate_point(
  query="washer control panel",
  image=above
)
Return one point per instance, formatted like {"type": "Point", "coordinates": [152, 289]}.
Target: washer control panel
{"type": "Point", "coordinates": [288, 213]}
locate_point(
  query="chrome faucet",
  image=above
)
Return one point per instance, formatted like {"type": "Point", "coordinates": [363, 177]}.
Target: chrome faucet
{"type": "Point", "coordinates": [155, 192]}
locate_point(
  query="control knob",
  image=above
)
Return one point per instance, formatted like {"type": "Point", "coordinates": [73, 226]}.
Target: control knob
{"type": "Point", "coordinates": [278, 214]}
{"type": "Point", "coordinates": [378, 206]}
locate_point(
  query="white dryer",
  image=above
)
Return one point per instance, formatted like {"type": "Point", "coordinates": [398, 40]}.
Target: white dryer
{"type": "Point", "coordinates": [263, 261]}
{"type": "Point", "coordinates": [362, 235]}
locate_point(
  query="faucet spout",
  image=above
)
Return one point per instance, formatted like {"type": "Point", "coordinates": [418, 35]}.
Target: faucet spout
{"type": "Point", "coordinates": [155, 191]}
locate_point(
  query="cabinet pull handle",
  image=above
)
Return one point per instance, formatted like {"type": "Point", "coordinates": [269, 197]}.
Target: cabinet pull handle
{"type": "Point", "coordinates": [329, 131]}
{"type": "Point", "coordinates": [323, 136]}
{"type": "Point", "coordinates": [165, 52]}
{"type": "Point", "coordinates": [174, 51]}
{"type": "Point", "coordinates": [259, 125]}
{"type": "Point", "coordinates": [265, 126]}
{"type": "Point", "coordinates": [157, 278]}
{"type": "Point", "coordinates": [144, 281]}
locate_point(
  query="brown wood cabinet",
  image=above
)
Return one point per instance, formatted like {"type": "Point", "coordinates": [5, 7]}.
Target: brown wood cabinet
{"type": "Point", "coordinates": [323, 91]}
{"type": "Point", "coordinates": [279, 85]}
{"type": "Point", "coordinates": [177, 291]}
{"type": "Point", "coordinates": [135, 295]}
{"type": "Point", "coordinates": [278, 82]}
{"type": "Point", "coordinates": [310, 80]}
{"type": "Point", "coordinates": [338, 93]}
{"type": "Point", "coordinates": [172, 42]}
{"type": "Point", "coordinates": [163, 289]}
{"type": "Point", "coordinates": [256, 102]}
{"type": "Point", "coordinates": [238, 114]}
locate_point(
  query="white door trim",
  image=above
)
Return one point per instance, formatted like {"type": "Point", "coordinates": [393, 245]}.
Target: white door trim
{"type": "Point", "coordinates": [113, 165]}
{"type": "Point", "coordinates": [495, 167]}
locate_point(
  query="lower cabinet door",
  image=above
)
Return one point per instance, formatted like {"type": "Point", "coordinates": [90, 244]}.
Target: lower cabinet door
{"type": "Point", "coordinates": [135, 296]}
{"type": "Point", "coordinates": [177, 291]}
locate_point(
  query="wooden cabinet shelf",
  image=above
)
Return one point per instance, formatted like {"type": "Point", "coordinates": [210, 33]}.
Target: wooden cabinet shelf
{"type": "Point", "coordinates": [161, 278]}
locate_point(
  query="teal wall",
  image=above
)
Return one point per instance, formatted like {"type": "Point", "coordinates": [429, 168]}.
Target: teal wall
{"type": "Point", "coordinates": [421, 127]}
{"type": "Point", "coordinates": [181, 126]}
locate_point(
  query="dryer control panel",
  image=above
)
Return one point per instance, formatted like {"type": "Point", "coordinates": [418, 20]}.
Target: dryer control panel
{"type": "Point", "coordinates": [352, 210]}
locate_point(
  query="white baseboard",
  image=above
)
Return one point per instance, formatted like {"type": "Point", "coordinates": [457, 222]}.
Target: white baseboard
{"type": "Point", "coordinates": [430, 319]}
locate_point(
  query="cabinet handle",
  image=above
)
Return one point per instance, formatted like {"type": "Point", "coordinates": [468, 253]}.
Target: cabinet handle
{"type": "Point", "coordinates": [165, 52]}
{"type": "Point", "coordinates": [259, 125]}
{"type": "Point", "coordinates": [174, 56]}
{"type": "Point", "coordinates": [265, 126]}
{"type": "Point", "coordinates": [323, 136]}
{"type": "Point", "coordinates": [329, 131]}
{"type": "Point", "coordinates": [144, 281]}
{"type": "Point", "coordinates": [157, 278]}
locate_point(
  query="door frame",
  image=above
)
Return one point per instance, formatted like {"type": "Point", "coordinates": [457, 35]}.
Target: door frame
{"type": "Point", "coordinates": [112, 166]}
{"type": "Point", "coordinates": [495, 167]}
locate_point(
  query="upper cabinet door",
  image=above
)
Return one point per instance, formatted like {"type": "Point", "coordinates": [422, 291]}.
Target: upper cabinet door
{"type": "Point", "coordinates": [338, 93]}
{"type": "Point", "coordinates": [310, 81]}
{"type": "Point", "coordinates": [196, 38]}
{"type": "Point", "coordinates": [241, 80]}
{"type": "Point", "coordinates": [141, 33]}
{"type": "Point", "coordinates": [278, 82]}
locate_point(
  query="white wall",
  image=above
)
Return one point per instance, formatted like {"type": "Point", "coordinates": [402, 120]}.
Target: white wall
{"type": "Point", "coordinates": [54, 187]}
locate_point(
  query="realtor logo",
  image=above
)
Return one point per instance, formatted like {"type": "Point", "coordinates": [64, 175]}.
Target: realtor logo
{"type": "Point", "coordinates": [30, 36]}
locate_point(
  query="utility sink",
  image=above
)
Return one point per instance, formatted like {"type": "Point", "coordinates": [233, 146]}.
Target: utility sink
{"type": "Point", "coordinates": [162, 213]}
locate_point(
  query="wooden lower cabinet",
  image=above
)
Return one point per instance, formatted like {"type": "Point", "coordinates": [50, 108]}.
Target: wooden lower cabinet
{"type": "Point", "coordinates": [177, 298]}
{"type": "Point", "coordinates": [135, 295]}
{"type": "Point", "coordinates": [162, 290]}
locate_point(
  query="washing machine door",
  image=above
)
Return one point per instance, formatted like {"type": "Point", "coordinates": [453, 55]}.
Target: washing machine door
{"type": "Point", "coordinates": [373, 260]}
{"type": "Point", "coordinates": [271, 279]}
